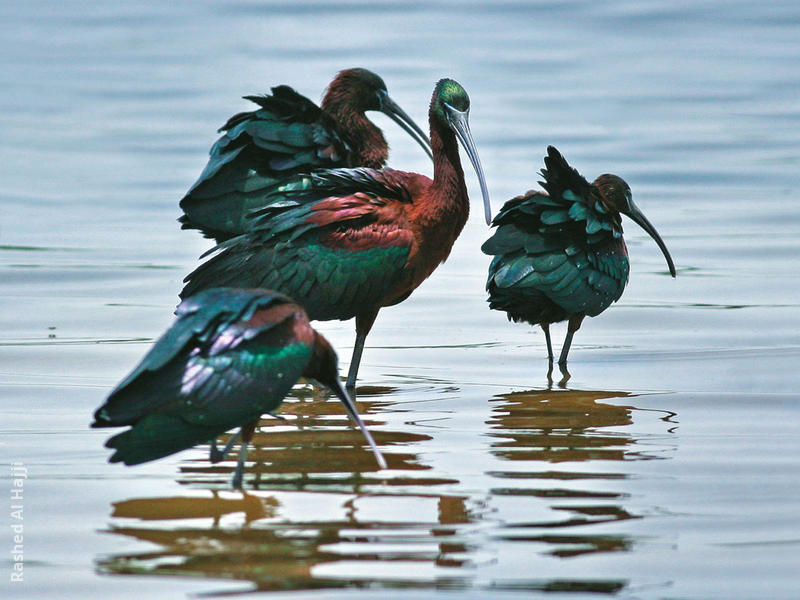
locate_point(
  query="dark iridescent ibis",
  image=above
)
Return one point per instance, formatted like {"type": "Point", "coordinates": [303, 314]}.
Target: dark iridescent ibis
{"type": "Point", "coordinates": [231, 356]}
{"type": "Point", "coordinates": [560, 255]}
{"type": "Point", "coordinates": [346, 242]}
{"type": "Point", "coordinates": [286, 135]}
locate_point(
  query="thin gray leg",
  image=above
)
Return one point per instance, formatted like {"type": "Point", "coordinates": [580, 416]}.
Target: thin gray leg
{"type": "Point", "coordinates": [246, 432]}
{"type": "Point", "coordinates": [574, 324]}
{"type": "Point", "coordinates": [546, 329]}
{"type": "Point", "coordinates": [238, 475]}
{"type": "Point", "coordinates": [364, 323]}
{"type": "Point", "coordinates": [562, 360]}
{"type": "Point", "coordinates": [356, 360]}
{"type": "Point", "coordinates": [565, 376]}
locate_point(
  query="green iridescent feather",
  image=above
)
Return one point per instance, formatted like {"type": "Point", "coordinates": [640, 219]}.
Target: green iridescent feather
{"type": "Point", "coordinates": [296, 245]}
{"type": "Point", "coordinates": [210, 372]}
{"type": "Point", "coordinates": [286, 135]}
{"type": "Point", "coordinates": [556, 254]}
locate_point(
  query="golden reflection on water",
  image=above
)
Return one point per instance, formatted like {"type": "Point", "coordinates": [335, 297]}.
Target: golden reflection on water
{"type": "Point", "coordinates": [316, 448]}
{"type": "Point", "coordinates": [555, 428]}
{"type": "Point", "coordinates": [275, 554]}
{"type": "Point", "coordinates": [317, 515]}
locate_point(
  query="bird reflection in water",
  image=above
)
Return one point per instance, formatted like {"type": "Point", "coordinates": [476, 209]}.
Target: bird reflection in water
{"type": "Point", "coordinates": [260, 536]}
{"type": "Point", "coordinates": [571, 429]}
{"type": "Point", "coordinates": [265, 537]}
{"type": "Point", "coordinates": [248, 539]}
{"type": "Point", "coordinates": [312, 445]}
{"type": "Point", "coordinates": [315, 520]}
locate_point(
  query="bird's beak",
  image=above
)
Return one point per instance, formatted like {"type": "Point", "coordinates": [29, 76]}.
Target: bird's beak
{"type": "Point", "coordinates": [459, 123]}
{"type": "Point", "coordinates": [341, 393]}
{"type": "Point", "coordinates": [638, 217]}
{"type": "Point", "coordinates": [392, 110]}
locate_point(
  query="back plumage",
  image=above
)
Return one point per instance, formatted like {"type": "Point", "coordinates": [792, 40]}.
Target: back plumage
{"type": "Point", "coordinates": [320, 239]}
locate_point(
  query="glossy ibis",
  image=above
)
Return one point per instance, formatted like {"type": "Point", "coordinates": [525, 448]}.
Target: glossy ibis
{"type": "Point", "coordinates": [560, 255]}
{"type": "Point", "coordinates": [346, 242]}
{"type": "Point", "coordinates": [289, 134]}
{"type": "Point", "coordinates": [231, 356]}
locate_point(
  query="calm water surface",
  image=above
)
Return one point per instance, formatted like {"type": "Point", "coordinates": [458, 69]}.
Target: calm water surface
{"type": "Point", "coordinates": [665, 467]}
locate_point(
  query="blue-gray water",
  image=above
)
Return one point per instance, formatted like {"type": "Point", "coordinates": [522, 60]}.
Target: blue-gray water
{"type": "Point", "coordinates": [669, 466]}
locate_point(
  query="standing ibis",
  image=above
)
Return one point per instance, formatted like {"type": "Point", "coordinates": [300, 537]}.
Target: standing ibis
{"type": "Point", "coordinates": [560, 255]}
{"type": "Point", "coordinates": [289, 134]}
{"type": "Point", "coordinates": [231, 356]}
{"type": "Point", "coordinates": [346, 242]}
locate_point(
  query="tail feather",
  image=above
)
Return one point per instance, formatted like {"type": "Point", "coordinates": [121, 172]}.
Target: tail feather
{"type": "Point", "coordinates": [157, 436]}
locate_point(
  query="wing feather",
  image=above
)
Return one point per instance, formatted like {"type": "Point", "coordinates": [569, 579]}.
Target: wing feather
{"type": "Point", "coordinates": [205, 326]}
{"type": "Point", "coordinates": [556, 253]}
{"type": "Point", "coordinates": [322, 240]}
{"type": "Point", "coordinates": [287, 134]}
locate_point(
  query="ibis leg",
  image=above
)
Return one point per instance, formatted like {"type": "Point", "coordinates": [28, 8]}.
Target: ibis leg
{"type": "Point", "coordinates": [364, 323]}
{"type": "Point", "coordinates": [574, 324]}
{"type": "Point", "coordinates": [246, 433]}
{"type": "Point", "coordinates": [565, 375]}
{"type": "Point", "coordinates": [215, 455]}
{"type": "Point", "coordinates": [546, 329]}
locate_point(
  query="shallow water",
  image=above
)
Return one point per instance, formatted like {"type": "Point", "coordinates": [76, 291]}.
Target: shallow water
{"type": "Point", "coordinates": [665, 467]}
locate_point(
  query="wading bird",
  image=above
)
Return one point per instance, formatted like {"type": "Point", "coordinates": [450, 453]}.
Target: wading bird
{"type": "Point", "coordinates": [290, 134]}
{"type": "Point", "coordinates": [559, 255]}
{"type": "Point", "coordinates": [231, 356]}
{"type": "Point", "coordinates": [346, 242]}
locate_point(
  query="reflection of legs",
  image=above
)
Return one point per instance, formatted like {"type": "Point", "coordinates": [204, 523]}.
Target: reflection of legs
{"type": "Point", "coordinates": [574, 325]}
{"type": "Point", "coordinates": [215, 455]}
{"type": "Point", "coordinates": [546, 329]}
{"type": "Point", "coordinates": [364, 323]}
{"type": "Point", "coordinates": [247, 434]}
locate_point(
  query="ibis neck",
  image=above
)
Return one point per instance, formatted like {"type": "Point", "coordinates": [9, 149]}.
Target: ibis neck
{"type": "Point", "coordinates": [367, 144]}
{"type": "Point", "coordinates": [448, 176]}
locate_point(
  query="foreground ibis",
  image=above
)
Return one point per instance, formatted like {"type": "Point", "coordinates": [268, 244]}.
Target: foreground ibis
{"type": "Point", "coordinates": [231, 356]}
{"type": "Point", "coordinates": [346, 242]}
{"type": "Point", "coordinates": [289, 134]}
{"type": "Point", "coordinates": [560, 255]}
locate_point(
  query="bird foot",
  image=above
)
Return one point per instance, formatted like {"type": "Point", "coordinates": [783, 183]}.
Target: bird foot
{"type": "Point", "coordinates": [565, 375]}
{"type": "Point", "coordinates": [215, 455]}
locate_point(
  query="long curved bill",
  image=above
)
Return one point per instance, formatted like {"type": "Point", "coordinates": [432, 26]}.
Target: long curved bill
{"type": "Point", "coordinates": [392, 110]}
{"type": "Point", "coordinates": [638, 217]}
{"type": "Point", "coordinates": [459, 121]}
{"type": "Point", "coordinates": [351, 410]}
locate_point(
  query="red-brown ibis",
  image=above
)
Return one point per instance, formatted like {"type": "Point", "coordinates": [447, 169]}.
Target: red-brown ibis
{"type": "Point", "coordinates": [559, 254]}
{"type": "Point", "coordinates": [346, 242]}
{"type": "Point", "coordinates": [286, 135]}
{"type": "Point", "coordinates": [231, 356]}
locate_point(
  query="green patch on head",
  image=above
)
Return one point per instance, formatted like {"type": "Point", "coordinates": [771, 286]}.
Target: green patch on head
{"type": "Point", "coordinates": [449, 92]}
